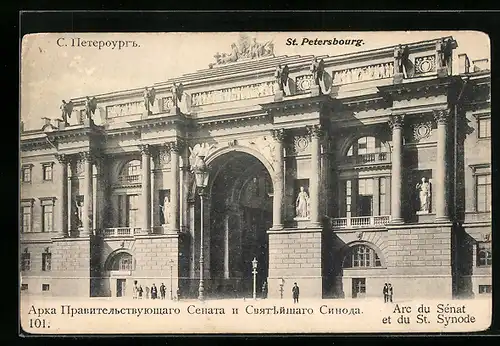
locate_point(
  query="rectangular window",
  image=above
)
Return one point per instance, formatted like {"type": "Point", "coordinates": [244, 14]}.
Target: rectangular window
{"type": "Point", "coordinates": [45, 287]}
{"type": "Point", "coordinates": [484, 256]}
{"type": "Point", "coordinates": [26, 219]}
{"type": "Point", "coordinates": [358, 287]}
{"type": "Point", "coordinates": [484, 125]}
{"type": "Point", "coordinates": [47, 222]}
{"type": "Point", "coordinates": [47, 171]}
{"type": "Point", "coordinates": [26, 174]}
{"type": "Point", "coordinates": [365, 197]}
{"type": "Point", "coordinates": [133, 210]}
{"type": "Point", "coordinates": [348, 200]}
{"type": "Point", "coordinates": [382, 196]}
{"type": "Point", "coordinates": [46, 261]}
{"type": "Point", "coordinates": [483, 193]}
{"type": "Point", "coordinates": [24, 287]}
{"type": "Point", "coordinates": [484, 289]}
{"type": "Point", "coordinates": [25, 261]}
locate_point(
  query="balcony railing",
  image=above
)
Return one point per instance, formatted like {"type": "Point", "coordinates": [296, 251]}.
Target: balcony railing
{"type": "Point", "coordinates": [129, 179]}
{"type": "Point", "coordinates": [360, 221]}
{"type": "Point", "coordinates": [371, 158]}
{"type": "Point", "coordinates": [121, 231]}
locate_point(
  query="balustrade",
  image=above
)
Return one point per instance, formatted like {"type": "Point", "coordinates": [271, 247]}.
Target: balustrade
{"type": "Point", "coordinates": [360, 221]}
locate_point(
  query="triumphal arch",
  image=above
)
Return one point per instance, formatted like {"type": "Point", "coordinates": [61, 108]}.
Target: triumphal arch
{"type": "Point", "coordinates": [335, 172]}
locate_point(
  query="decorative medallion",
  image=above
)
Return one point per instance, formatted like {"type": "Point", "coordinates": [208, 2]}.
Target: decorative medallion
{"type": "Point", "coordinates": [486, 236]}
{"type": "Point", "coordinates": [300, 144]}
{"type": "Point", "coordinates": [164, 157]}
{"type": "Point", "coordinates": [422, 130]}
{"type": "Point", "coordinates": [304, 83]}
{"type": "Point", "coordinates": [425, 64]}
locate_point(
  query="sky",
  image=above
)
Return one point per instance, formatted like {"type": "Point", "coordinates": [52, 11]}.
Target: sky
{"type": "Point", "coordinates": [51, 72]}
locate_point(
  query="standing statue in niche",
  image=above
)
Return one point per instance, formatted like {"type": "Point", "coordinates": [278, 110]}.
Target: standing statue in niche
{"type": "Point", "coordinates": [79, 212]}
{"type": "Point", "coordinates": [302, 204]}
{"type": "Point", "coordinates": [165, 208]}
{"type": "Point", "coordinates": [424, 194]}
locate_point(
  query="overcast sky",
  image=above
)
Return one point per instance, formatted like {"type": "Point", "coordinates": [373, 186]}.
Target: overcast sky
{"type": "Point", "coordinates": [51, 73]}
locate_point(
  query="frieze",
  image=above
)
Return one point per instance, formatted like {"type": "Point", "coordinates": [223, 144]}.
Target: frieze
{"type": "Point", "coordinates": [233, 94]}
{"type": "Point", "coordinates": [125, 109]}
{"type": "Point", "coordinates": [361, 74]}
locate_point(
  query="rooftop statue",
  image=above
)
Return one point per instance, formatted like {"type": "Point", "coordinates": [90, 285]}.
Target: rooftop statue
{"type": "Point", "coordinates": [244, 49]}
{"type": "Point", "coordinates": [90, 106]}
{"type": "Point", "coordinates": [66, 110]}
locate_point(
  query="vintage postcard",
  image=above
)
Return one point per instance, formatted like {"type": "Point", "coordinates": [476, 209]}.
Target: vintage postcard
{"type": "Point", "coordinates": [256, 182]}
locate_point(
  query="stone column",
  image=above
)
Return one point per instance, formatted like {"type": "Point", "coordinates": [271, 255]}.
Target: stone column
{"type": "Point", "coordinates": [65, 197]}
{"type": "Point", "coordinates": [396, 123]}
{"type": "Point", "coordinates": [174, 192]}
{"type": "Point", "coordinates": [87, 192]}
{"type": "Point", "coordinates": [441, 178]}
{"type": "Point", "coordinates": [146, 189]}
{"type": "Point", "coordinates": [279, 136]}
{"type": "Point", "coordinates": [226, 247]}
{"type": "Point", "coordinates": [315, 134]}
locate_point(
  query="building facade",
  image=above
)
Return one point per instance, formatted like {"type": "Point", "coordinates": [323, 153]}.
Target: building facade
{"type": "Point", "coordinates": [340, 173]}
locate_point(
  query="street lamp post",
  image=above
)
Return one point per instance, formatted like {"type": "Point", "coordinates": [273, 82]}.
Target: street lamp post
{"type": "Point", "coordinates": [254, 272]}
{"type": "Point", "coordinates": [171, 268]}
{"type": "Point", "coordinates": [201, 173]}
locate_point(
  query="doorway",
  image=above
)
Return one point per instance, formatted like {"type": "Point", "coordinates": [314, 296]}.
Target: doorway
{"type": "Point", "coordinates": [358, 287]}
{"type": "Point", "coordinates": [121, 287]}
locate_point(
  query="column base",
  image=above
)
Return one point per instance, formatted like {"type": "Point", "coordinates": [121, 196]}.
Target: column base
{"type": "Point", "coordinates": [397, 78]}
{"type": "Point", "coordinates": [442, 72]}
{"type": "Point", "coordinates": [397, 221]}
{"type": "Point", "coordinates": [278, 96]}
{"type": "Point", "coordinates": [315, 224]}
{"type": "Point", "coordinates": [441, 219]}
{"type": "Point", "coordinates": [277, 227]}
{"type": "Point", "coordinates": [315, 90]}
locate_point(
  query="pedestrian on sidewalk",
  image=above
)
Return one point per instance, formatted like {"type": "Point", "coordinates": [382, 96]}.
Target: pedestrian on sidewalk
{"type": "Point", "coordinates": [390, 292]}
{"type": "Point", "coordinates": [295, 293]}
{"type": "Point", "coordinates": [385, 291]}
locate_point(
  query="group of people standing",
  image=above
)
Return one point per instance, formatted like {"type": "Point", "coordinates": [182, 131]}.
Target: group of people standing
{"type": "Point", "coordinates": [151, 292]}
{"type": "Point", "coordinates": [388, 292]}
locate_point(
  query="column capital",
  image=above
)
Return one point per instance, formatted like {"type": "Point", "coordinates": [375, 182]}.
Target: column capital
{"type": "Point", "coordinates": [441, 115]}
{"type": "Point", "coordinates": [315, 131]}
{"type": "Point", "coordinates": [176, 145]}
{"type": "Point", "coordinates": [63, 158]}
{"type": "Point", "coordinates": [145, 149]}
{"type": "Point", "coordinates": [278, 134]}
{"type": "Point", "coordinates": [85, 156]}
{"type": "Point", "coordinates": [396, 121]}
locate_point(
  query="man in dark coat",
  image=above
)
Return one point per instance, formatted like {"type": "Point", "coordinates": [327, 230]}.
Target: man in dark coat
{"type": "Point", "coordinates": [385, 290]}
{"type": "Point", "coordinates": [154, 292]}
{"type": "Point", "coordinates": [390, 292]}
{"type": "Point", "coordinates": [162, 291]}
{"type": "Point", "coordinates": [295, 293]}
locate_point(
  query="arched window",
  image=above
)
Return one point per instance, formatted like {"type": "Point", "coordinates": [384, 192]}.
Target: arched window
{"type": "Point", "coordinates": [131, 172]}
{"type": "Point", "coordinates": [122, 262]}
{"type": "Point", "coordinates": [361, 256]}
{"type": "Point", "coordinates": [366, 145]}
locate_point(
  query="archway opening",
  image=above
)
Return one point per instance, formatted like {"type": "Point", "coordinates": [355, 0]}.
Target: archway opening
{"type": "Point", "coordinates": [240, 215]}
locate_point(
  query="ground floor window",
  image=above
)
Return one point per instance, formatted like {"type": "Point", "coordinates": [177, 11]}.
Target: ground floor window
{"type": "Point", "coordinates": [45, 287]}
{"type": "Point", "coordinates": [484, 289]}
{"type": "Point", "coordinates": [122, 262]}
{"type": "Point", "coordinates": [360, 256]}
{"type": "Point", "coordinates": [24, 287]}
{"type": "Point", "coordinates": [484, 256]}
{"type": "Point", "coordinates": [358, 287]}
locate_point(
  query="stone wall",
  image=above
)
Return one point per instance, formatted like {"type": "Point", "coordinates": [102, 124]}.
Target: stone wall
{"type": "Point", "coordinates": [296, 257]}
